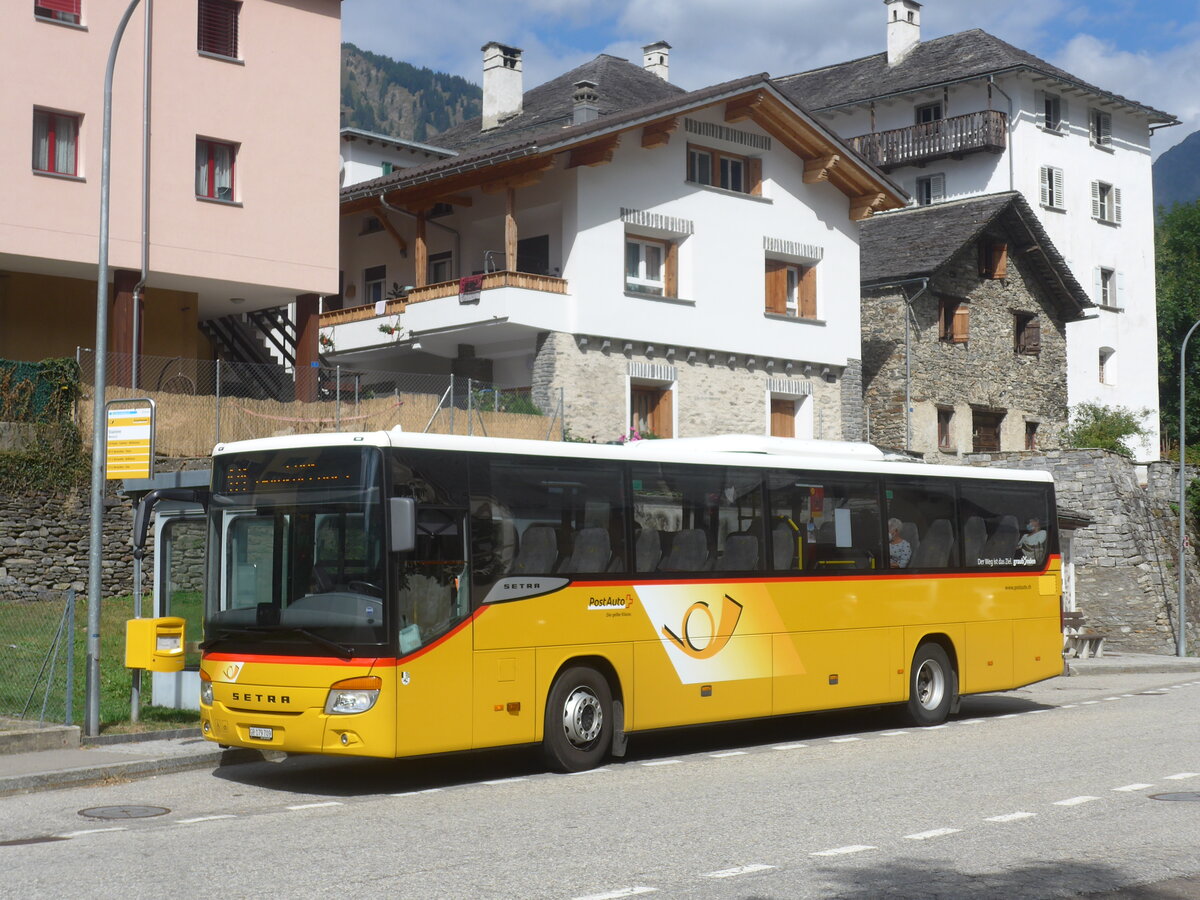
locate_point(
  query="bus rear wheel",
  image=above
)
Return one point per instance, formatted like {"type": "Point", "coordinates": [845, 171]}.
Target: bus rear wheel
{"type": "Point", "coordinates": [932, 685]}
{"type": "Point", "coordinates": [579, 721]}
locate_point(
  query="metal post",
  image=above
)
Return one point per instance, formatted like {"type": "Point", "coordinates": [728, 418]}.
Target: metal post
{"type": "Point", "coordinates": [357, 385]}
{"type": "Point", "coordinates": [470, 409]}
{"type": "Point", "coordinates": [1181, 626]}
{"type": "Point", "coordinates": [337, 399]}
{"type": "Point", "coordinates": [452, 404]}
{"type": "Point", "coordinates": [135, 687]}
{"type": "Point", "coordinates": [70, 698]}
{"type": "Point", "coordinates": [91, 724]}
{"type": "Point", "coordinates": [217, 439]}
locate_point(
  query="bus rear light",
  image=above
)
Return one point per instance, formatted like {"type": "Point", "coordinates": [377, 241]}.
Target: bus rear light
{"type": "Point", "coordinates": [353, 695]}
{"type": "Point", "coordinates": [206, 690]}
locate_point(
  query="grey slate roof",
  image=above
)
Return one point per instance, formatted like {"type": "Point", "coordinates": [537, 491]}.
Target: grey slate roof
{"type": "Point", "coordinates": [917, 242]}
{"type": "Point", "coordinates": [955, 57]}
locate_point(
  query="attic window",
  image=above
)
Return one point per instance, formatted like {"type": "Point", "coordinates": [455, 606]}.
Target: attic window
{"type": "Point", "coordinates": [954, 321]}
{"type": "Point", "coordinates": [993, 259]}
{"type": "Point", "coordinates": [740, 174]}
{"type": "Point", "coordinates": [1027, 334]}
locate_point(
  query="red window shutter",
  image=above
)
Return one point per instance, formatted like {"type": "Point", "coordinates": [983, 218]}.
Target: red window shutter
{"type": "Point", "coordinates": [217, 31]}
{"type": "Point", "coordinates": [776, 287]}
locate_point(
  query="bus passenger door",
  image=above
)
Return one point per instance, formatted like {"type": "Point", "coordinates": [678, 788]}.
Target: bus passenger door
{"type": "Point", "coordinates": [433, 669]}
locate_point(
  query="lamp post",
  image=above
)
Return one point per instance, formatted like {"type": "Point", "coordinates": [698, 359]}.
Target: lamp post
{"type": "Point", "coordinates": [1181, 628]}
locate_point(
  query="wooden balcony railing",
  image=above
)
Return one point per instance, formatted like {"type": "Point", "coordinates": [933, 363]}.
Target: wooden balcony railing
{"type": "Point", "coordinates": [979, 131]}
{"type": "Point", "coordinates": [492, 280]}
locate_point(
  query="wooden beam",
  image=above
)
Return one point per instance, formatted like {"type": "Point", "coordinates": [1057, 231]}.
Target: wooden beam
{"type": "Point", "coordinates": [743, 108]}
{"type": "Point", "coordinates": [658, 134]}
{"type": "Point", "coordinates": [596, 153]}
{"type": "Point", "coordinates": [862, 205]}
{"type": "Point", "coordinates": [818, 169]}
{"type": "Point", "coordinates": [382, 216]}
{"type": "Point", "coordinates": [421, 262]}
{"type": "Point", "coordinates": [529, 172]}
{"type": "Point", "coordinates": [510, 230]}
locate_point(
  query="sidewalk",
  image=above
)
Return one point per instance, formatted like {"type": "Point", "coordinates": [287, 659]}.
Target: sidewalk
{"type": "Point", "coordinates": [38, 759]}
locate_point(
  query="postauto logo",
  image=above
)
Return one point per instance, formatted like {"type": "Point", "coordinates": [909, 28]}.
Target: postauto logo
{"type": "Point", "coordinates": [707, 637]}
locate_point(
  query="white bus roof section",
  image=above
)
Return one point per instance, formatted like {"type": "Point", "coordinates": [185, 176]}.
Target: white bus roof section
{"type": "Point", "coordinates": [723, 450]}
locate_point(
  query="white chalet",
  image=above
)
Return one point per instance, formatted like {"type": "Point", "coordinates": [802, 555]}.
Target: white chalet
{"type": "Point", "coordinates": [685, 263]}
{"type": "Point", "coordinates": [970, 115]}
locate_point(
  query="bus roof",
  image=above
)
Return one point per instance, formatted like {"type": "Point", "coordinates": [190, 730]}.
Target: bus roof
{"type": "Point", "coordinates": [730, 450]}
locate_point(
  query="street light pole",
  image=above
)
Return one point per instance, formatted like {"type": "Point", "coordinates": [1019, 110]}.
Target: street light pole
{"type": "Point", "coordinates": [1181, 625]}
{"type": "Point", "coordinates": [91, 718]}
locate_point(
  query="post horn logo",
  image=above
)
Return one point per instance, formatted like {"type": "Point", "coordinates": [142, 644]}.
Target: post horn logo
{"type": "Point", "coordinates": [717, 638]}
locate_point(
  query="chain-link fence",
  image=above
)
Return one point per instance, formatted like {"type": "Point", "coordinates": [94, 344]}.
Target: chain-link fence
{"type": "Point", "coordinates": [200, 403]}
{"type": "Point", "coordinates": [41, 639]}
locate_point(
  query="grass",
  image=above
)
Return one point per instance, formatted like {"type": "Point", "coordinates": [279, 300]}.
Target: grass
{"type": "Point", "coordinates": [27, 634]}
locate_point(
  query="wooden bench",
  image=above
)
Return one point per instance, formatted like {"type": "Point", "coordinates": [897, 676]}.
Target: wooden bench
{"type": "Point", "coordinates": [1079, 640]}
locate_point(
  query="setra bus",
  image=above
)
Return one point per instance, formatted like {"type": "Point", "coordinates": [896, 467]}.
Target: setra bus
{"type": "Point", "coordinates": [395, 594]}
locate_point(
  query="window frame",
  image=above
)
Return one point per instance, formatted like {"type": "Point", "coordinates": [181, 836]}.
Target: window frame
{"type": "Point", "coordinates": [1027, 333]}
{"type": "Point", "coordinates": [945, 428]}
{"type": "Point", "coordinates": [930, 189]}
{"type": "Point", "coordinates": [1031, 431]}
{"type": "Point", "coordinates": [750, 166]}
{"type": "Point", "coordinates": [1052, 113]}
{"type": "Point", "coordinates": [436, 259]}
{"type": "Point", "coordinates": [954, 320]}
{"type": "Point", "coordinates": [668, 283]}
{"type": "Point", "coordinates": [993, 259]}
{"type": "Point", "coordinates": [54, 11]}
{"type": "Point", "coordinates": [369, 283]}
{"type": "Point", "coordinates": [211, 186]}
{"type": "Point", "coordinates": [658, 406]}
{"type": "Point", "coordinates": [1050, 180]}
{"type": "Point", "coordinates": [791, 289]}
{"type": "Point", "coordinates": [217, 45]}
{"type": "Point", "coordinates": [1106, 203]}
{"type": "Point", "coordinates": [1100, 128]}
{"type": "Point", "coordinates": [53, 119]}
{"type": "Point", "coordinates": [936, 108]}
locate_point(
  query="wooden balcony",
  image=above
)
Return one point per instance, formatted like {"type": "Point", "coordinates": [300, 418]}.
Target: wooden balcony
{"type": "Point", "coordinates": [984, 131]}
{"type": "Point", "coordinates": [492, 280]}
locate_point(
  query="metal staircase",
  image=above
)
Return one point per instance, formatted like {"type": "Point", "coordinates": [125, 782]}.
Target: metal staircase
{"type": "Point", "coordinates": [259, 350]}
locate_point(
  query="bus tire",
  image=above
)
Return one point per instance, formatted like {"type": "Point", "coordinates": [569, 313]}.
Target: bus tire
{"type": "Point", "coordinates": [579, 720]}
{"type": "Point", "coordinates": [932, 685]}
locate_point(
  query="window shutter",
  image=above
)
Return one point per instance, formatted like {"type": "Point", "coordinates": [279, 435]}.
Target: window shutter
{"type": "Point", "coordinates": [671, 275]}
{"type": "Point", "coordinates": [776, 282]}
{"type": "Point", "coordinates": [1120, 277]}
{"type": "Point", "coordinates": [63, 6]}
{"type": "Point", "coordinates": [937, 188]}
{"type": "Point", "coordinates": [999, 261]}
{"type": "Point", "coordinates": [754, 175]}
{"type": "Point", "coordinates": [1057, 193]}
{"type": "Point", "coordinates": [1033, 336]}
{"type": "Point", "coordinates": [1105, 129]}
{"type": "Point", "coordinates": [960, 329]}
{"type": "Point", "coordinates": [1116, 204]}
{"type": "Point", "coordinates": [1097, 286]}
{"type": "Point", "coordinates": [1044, 179]}
{"type": "Point", "coordinates": [807, 290]}
{"type": "Point", "coordinates": [1095, 199]}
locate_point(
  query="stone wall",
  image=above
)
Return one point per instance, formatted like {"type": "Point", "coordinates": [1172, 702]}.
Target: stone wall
{"type": "Point", "coordinates": [1126, 561]}
{"type": "Point", "coordinates": [711, 394]}
{"type": "Point", "coordinates": [982, 373]}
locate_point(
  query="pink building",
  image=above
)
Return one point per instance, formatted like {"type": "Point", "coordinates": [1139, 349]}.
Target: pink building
{"type": "Point", "coordinates": [243, 170]}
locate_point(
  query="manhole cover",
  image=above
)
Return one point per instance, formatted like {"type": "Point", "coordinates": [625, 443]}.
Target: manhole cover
{"type": "Point", "coordinates": [124, 812]}
{"type": "Point", "coordinates": [1181, 795]}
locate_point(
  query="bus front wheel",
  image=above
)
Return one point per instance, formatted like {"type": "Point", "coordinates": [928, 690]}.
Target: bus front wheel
{"type": "Point", "coordinates": [932, 685]}
{"type": "Point", "coordinates": [578, 720]}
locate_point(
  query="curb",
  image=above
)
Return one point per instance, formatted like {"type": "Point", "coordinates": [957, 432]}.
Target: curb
{"type": "Point", "coordinates": [43, 781]}
{"type": "Point", "coordinates": [34, 740]}
{"type": "Point", "coordinates": [1074, 668]}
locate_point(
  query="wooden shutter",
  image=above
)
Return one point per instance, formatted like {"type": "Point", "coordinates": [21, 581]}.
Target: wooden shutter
{"type": "Point", "coordinates": [661, 418]}
{"type": "Point", "coordinates": [1044, 182]}
{"type": "Point", "coordinates": [783, 418]}
{"type": "Point", "coordinates": [807, 288]}
{"type": "Point", "coordinates": [218, 27]}
{"type": "Point", "coordinates": [1056, 192]}
{"type": "Point", "coordinates": [1115, 197]}
{"type": "Point", "coordinates": [1033, 335]}
{"type": "Point", "coordinates": [1098, 286]}
{"type": "Point", "coordinates": [754, 175]}
{"type": "Point", "coordinates": [776, 280]}
{"type": "Point", "coordinates": [1095, 199]}
{"type": "Point", "coordinates": [1105, 135]}
{"type": "Point", "coordinates": [960, 326]}
{"type": "Point", "coordinates": [999, 260]}
{"type": "Point", "coordinates": [671, 269]}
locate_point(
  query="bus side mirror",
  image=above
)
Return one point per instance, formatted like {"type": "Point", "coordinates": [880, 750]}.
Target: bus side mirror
{"type": "Point", "coordinates": [403, 514]}
{"type": "Point", "coordinates": [141, 515]}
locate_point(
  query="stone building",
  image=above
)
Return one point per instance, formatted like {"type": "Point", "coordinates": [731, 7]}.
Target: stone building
{"type": "Point", "coordinates": [965, 308]}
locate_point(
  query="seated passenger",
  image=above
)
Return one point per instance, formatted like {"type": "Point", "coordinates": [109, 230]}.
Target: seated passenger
{"type": "Point", "coordinates": [1033, 542]}
{"type": "Point", "coordinates": [899, 550]}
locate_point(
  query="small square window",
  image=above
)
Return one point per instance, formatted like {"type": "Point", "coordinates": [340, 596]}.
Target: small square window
{"type": "Point", "coordinates": [1100, 128]}
{"type": "Point", "coordinates": [59, 10]}
{"type": "Point", "coordinates": [1031, 429]}
{"type": "Point", "coordinates": [55, 142]}
{"type": "Point", "coordinates": [954, 318]}
{"type": "Point", "coordinates": [1108, 287]}
{"type": "Point", "coordinates": [945, 428]}
{"type": "Point", "coordinates": [1106, 203]}
{"type": "Point", "coordinates": [214, 169]}
{"type": "Point", "coordinates": [1027, 334]}
{"type": "Point", "coordinates": [929, 112]}
{"type": "Point", "coordinates": [1052, 112]}
{"type": "Point", "coordinates": [644, 266]}
{"type": "Point", "coordinates": [930, 189]}
{"type": "Point", "coordinates": [217, 29]}
{"type": "Point", "coordinates": [724, 170]}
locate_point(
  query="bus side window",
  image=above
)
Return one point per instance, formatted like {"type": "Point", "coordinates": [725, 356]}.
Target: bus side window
{"type": "Point", "coordinates": [928, 512]}
{"type": "Point", "coordinates": [831, 525]}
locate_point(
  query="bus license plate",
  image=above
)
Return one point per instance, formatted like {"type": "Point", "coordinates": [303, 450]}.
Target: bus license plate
{"type": "Point", "coordinates": [260, 733]}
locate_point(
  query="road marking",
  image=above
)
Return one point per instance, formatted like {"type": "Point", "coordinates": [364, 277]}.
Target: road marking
{"type": "Point", "coordinates": [728, 753]}
{"type": "Point", "coordinates": [1075, 801]}
{"type": "Point", "coordinates": [71, 834]}
{"type": "Point", "coordinates": [661, 762]}
{"type": "Point", "coordinates": [600, 771]}
{"type": "Point", "coordinates": [740, 870]}
{"type": "Point", "coordinates": [892, 733]}
{"type": "Point", "coordinates": [845, 740]}
{"type": "Point", "coordinates": [1133, 787]}
{"type": "Point", "coordinates": [972, 721]}
{"type": "Point", "coordinates": [204, 819]}
{"type": "Point", "coordinates": [934, 727]}
{"type": "Point", "coordinates": [789, 746]}
{"type": "Point", "coordinates": [623, 892]}
{"type": "Point", "coordinates": [1111, 698]}
{"type": "Point", "coordinates": [1182, 775]}
{"type": "Point", "coordinates": [505, 780]}
{"type": "Point", "coordinates": [842, 851]}
{"type": "Point", "coordinates": [1010, 817]}
{"type": "Point", "coordinates": [1034, 712]}
{"type": "Point", "coordinates": [1069, 706]}
{"type": "Point", "coordinates": [1127, 695]}
{"type": "Point", "coordinates": [936, 832]}
{"type": "Point", "coordinates": [316, 805]}
{"type": "Point", "coordinates": [1014, 715]}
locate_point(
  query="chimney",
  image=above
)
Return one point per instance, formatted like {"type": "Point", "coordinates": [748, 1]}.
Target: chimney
{"type": "Point", "coordinates": [654, 59]}
{"type": "Point", "coordinates": [587, 102]}
{"type": "Point", "coordinates": [903, 28]}
{"type": "Point", "coordinates": [501, 84]}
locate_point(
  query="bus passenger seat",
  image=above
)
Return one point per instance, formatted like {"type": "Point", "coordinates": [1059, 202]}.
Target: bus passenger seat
{"type": "Point", "coordinates": [689, 552]}
{"type": "Point", "coordinates": [591, 553]}
{"type": "Point", "coordinates": [974, 539]}
{"type": "Point", "coordinates": [909, 532]}
{"type": "Point", "coordinates": [783, 546]}
{"type": "Point", "coordinates": [935, 548]}
{"type": "Point", "coordinates": [538, 553]}
{"type": "Point", "coordinates": [649, 550]}
{"type": "Point", "coordinates": [741, 554]}
{"type": "Point", "coordinates": [1003, 543]}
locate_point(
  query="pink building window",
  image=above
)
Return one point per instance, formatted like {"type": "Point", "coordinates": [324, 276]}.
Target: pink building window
{"type": "Point", "coordinates": [217, 32]}
{"type": "Point", "coordinates": [55, 142]}
{"type": "Point", "coordinates": [214, 169]}
{"type": "Point", "coordinates": [59, 10]}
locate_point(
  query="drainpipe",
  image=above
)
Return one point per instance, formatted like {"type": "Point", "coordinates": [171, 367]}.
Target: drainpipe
{"type": "Point", "coordinates": [908, 314]}
{"type": "Point", "coordinates": [457, 237]}
{"type": "Point", "coordinates": [139, 288]}
{"type": "Point", "coordinates": [1009, 149]}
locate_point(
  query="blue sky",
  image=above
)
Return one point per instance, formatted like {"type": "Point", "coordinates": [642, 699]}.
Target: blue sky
{"type": "Point", "coordinates": [1148, 50]}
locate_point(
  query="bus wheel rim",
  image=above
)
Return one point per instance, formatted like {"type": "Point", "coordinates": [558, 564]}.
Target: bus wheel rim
{"type": "Point", "coordinates": [583, 717]}
{"type": "Point", "coordinates": [931, 684]}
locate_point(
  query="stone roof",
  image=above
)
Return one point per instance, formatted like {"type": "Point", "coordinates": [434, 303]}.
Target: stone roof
{"type": "Point", "coordinates": [919, 241]}
{"type": "Point", "coordinates": [955, 57]}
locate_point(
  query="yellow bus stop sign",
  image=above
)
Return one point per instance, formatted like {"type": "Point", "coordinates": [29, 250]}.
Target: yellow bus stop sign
{"type": "Point", "coordinates": [129, 446]}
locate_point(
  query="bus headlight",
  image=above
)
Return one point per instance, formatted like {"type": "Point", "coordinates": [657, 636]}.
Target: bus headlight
{"type": "Point", "coordinates": [205, 688]}
{"type": "Point", "coordinates": [354, 695]}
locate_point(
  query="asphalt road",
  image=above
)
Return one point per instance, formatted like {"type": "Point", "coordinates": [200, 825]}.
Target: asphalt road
{"type": "Point", "coordinates": [1045, 792]}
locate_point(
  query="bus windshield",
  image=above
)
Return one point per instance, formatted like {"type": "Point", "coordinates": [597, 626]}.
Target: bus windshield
{"type": "Point", "coordinates": [297, 551]}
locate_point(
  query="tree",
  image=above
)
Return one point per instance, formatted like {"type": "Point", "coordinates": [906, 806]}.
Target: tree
{"type": "Point", "coordinates": [1104, 427]}
{"type": "Point", "coordinates": [1177, 250]}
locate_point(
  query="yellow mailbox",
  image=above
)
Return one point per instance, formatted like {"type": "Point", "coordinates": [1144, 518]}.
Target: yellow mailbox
{"type": "Point", "coordinates": [154, 644]}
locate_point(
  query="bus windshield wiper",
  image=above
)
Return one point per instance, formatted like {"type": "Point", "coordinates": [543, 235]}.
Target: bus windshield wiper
{"type": "Point", "coordinates": [232, 631]}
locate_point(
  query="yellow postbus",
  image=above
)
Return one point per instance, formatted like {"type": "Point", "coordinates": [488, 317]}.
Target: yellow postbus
{"type": "Point", "coordinates": [396, 594]}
